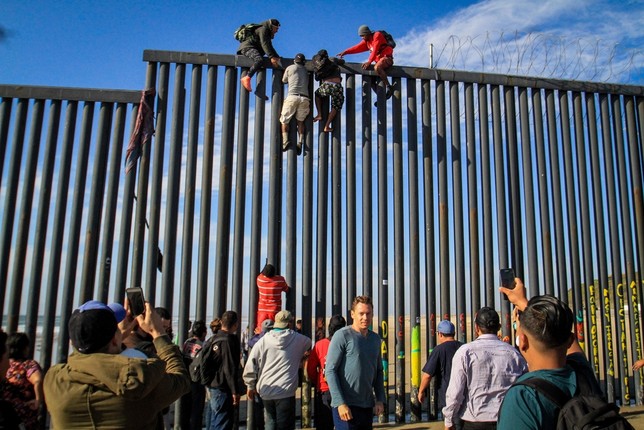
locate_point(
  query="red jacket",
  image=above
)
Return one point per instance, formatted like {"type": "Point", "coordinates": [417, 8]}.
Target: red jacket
{"type": "Point", "coordinates": [315, 364]}
{"type": "Point", "coordinates": [377, 45]}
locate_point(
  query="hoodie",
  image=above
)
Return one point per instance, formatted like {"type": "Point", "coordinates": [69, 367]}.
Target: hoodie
{"type": "Point", "coordinates": [273, 363]}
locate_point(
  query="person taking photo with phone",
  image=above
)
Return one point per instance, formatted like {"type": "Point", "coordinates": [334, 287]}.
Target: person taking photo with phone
{"type": "Point", "coordinates": [100, 388]}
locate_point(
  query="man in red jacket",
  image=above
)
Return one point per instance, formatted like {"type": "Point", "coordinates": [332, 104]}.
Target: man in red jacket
{"type": "Point", "coordinates": [315, 369]}
{"type": "Point", "coordinates": [270, 286]}
{"type": "Point", "coordinates": [381, 53]}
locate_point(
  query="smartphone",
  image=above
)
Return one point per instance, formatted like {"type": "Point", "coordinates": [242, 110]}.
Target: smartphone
{"type": "Point", "coordinates": [507, 280]}
{"type": "Point", "coordinates": [135, 299]}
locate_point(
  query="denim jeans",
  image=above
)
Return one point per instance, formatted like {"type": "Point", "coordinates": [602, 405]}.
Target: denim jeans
{"type": "Point", "coordinates": [222, 415]}
{"type": "Point", "coordinates": [362, 419]}
{"type": "Point", "coordinates": [279, 414]}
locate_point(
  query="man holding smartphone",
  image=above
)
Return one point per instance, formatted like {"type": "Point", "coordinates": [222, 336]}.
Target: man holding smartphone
{"type": "Point", "coordinates": [98, 387]}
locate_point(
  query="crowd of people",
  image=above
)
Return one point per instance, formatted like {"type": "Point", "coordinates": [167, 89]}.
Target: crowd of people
{"type": "Point", "coordinates": [126, 372]}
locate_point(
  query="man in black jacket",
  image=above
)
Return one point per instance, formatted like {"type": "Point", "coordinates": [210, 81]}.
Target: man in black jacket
{"type": "Point", "coordinates": [260, 43]}
{"type": "Point", "coordinates": [226, 387]}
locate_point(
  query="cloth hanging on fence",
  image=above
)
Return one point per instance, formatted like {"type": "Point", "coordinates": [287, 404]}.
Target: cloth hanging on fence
{"type": "Point", "coordinates": [143, 130]}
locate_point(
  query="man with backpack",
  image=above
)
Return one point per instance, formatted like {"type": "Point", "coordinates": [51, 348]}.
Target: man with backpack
{"type": "Point", "coordinates": [381, 45]}
{"type": "Point", "coordinates": [226, 385]}
{"type": "Point", "coordinates": [561, 390]}
{"type": "Point", "coordinates": [327, 72]}
{"type": "Point", "coordinates": [256, 40]}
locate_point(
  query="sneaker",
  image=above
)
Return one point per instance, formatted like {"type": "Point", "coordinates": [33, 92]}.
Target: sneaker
{"type": "Point", "coordinates": [390, 92]}
{"type": "Point", "coordinates": [285, 145]}
{"type": "Point", "coordinates": [299, 148]}
{"type": "Point", "coordinates": [246, 83]}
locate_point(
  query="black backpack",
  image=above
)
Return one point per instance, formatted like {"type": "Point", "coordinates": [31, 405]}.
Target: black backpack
{"type": "Point", "coordinates": [323, 67]}
{"type": "Point", "coordinates": [583, 411]}
{"type": "Point", "coordinates": [389, 38]}
{"type": "Point", "coordinates": [206, 363]}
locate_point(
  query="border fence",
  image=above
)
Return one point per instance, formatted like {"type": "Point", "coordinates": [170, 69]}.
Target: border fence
{"type": "Point", "coordinates": [417, 202]}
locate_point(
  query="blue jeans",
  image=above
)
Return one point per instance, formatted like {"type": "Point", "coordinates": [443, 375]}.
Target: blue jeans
{"type": "Point", "coordinates": [362, 419]}
{"type": "Point", "coordinates": [279, 414]}
{"type": "Point", "coordinates": [222, 415]}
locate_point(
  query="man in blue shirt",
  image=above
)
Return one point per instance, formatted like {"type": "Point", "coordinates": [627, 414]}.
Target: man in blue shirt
{"type": "Point", "coordinates": [546, 340]}
{"type": "Point", "coordinates": [439, 364]}
{"type": "Point", "coordinates": [354, 371]}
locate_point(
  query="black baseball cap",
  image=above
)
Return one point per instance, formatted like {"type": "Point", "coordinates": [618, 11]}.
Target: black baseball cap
{"type": "Point", "coordinates": [299, 58]}
{"type": "Point", "coordinates": [93, 325]}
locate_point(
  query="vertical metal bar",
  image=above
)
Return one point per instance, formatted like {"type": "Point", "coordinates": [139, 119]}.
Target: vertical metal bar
{"type": "Point", "coordinates": [589, 276]}
{"type": "Point", "coordinates": [489, 267]}
{"type": "Point", "coordinates": [115, 166]}
{"type": "Point", "coordinates": [322, 223]}
{"type": "Point", "coordinates": [543, 196]}
{"type": "Point", "coordinates": [601, 261]}
{"type": "Point", "coordinates": [633, 276]}
{"type": "Point", "coordinates": [206, 193]}
{"type": "Point", "coordinates": [500, 178]}
{"type": "Point", "coordinates": [383, 247]}
{"type": "Point", "coordinates": [557, 186]}
{"type": "Point", "coordinates": [154, 261]}
{"type": "Point", "coordinates": [58, 229]}
{"type": "Point", "coordinates": [443, 222]}
{"type": "Point", "coordinates": [528, 195]}
{"type": "Point", "coordinates": [307, 226]}
{"type": "Point", "coordinates": [472, 192]}
{"type": "Point", "coordinates": [24, 217]}
{"type": "Point", "coordinates": [5, 116]}
{"type": "Point", "coordinates": [399, 253]}
{"type": "Point", "coordinates": [620, 287]}
{"type": "Point", "coordinates": [275, 179]}
{"type": "Point", "coordinates": [69, 280]}
{"type": "Point", "coordinates": [126, 222]}
{"type": "Point", "coordinates": [240, 201]}
{"type": "Point", "coordinates": [514, 200]}
{"type": "Point", "coordinates": [414, 249]}
{"type": "Point", "coordinates": [256, 220]}
{"type": "Point", "coordinates": [172, 199]}
{"type": "Point", "coordinates": [222, 245]}
{"type": "Point", "coordinates": [140, 221]}
{"type": "Point", "coordinates": [570, 204]}
{"type": "Point", "coordinates": [430, 242]}
{"type": "Point", "coordinates": [336, 217]}
{"type": "Point", "coordinates": [352, 235]}
{"type": "Point", "coordinates": [96, 198]}
{"type": "Point", "coordinates": [367, 195]}
{"type": "Point", "coordinates": [290, 251]}
{"type": "Point", "coordinates": [185, 282]}
{"type": "Point", "coordinates": [44, 204]}
{"type": "Point", "coordinates": [457, 196]}
{"type": "Point", "coordinates": [8, 211]}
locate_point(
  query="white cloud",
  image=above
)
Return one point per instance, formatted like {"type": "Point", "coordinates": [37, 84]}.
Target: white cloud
{"type": "Point", "coordinates": [598, 41]}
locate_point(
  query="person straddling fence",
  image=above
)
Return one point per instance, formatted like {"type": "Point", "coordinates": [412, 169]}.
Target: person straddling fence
{"type": "Point", "coordinates": [256, 40]}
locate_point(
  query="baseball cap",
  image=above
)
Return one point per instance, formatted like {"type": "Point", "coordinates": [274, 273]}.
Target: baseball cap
{"type": "Point", "coordinates": [446, 327]}
{"type": "Point", "coordinates": [488, 318]}
{"type": "Point", "coordinates": [299, 58]}
{"type": "Point", "coordinates": [275, 22]}
{"type": "Point", "coordinates": [364, 30]}
{"type": "Point", "coordinates": [267, 324]}
{"type": "Point", "coordinates": [282, 319]}
{"type": "Point", "coordinates": [93, 325]}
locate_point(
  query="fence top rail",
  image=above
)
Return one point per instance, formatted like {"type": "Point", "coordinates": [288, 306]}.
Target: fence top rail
{"type": "Point", "coordinates": [72, 94]}
{"type": "Point", "coordinates": [202, 58]}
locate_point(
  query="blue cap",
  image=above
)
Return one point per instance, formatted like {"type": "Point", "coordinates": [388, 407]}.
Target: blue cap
{"type": "Point", "coordinates": [117, 309]}
{"type": "Point", "coordinates": [446, 327]}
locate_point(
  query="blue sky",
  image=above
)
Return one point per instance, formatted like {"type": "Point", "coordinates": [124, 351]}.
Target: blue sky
{"type": "Point", "coordinates": [100, 44]}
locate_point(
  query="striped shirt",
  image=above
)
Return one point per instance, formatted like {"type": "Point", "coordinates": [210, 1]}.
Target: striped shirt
{"type": "Point", "coordinates": [270, 293]}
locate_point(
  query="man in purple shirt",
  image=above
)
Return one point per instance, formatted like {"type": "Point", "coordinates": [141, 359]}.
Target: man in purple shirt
{"type": "Point", "coordinates": [482, 372]}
